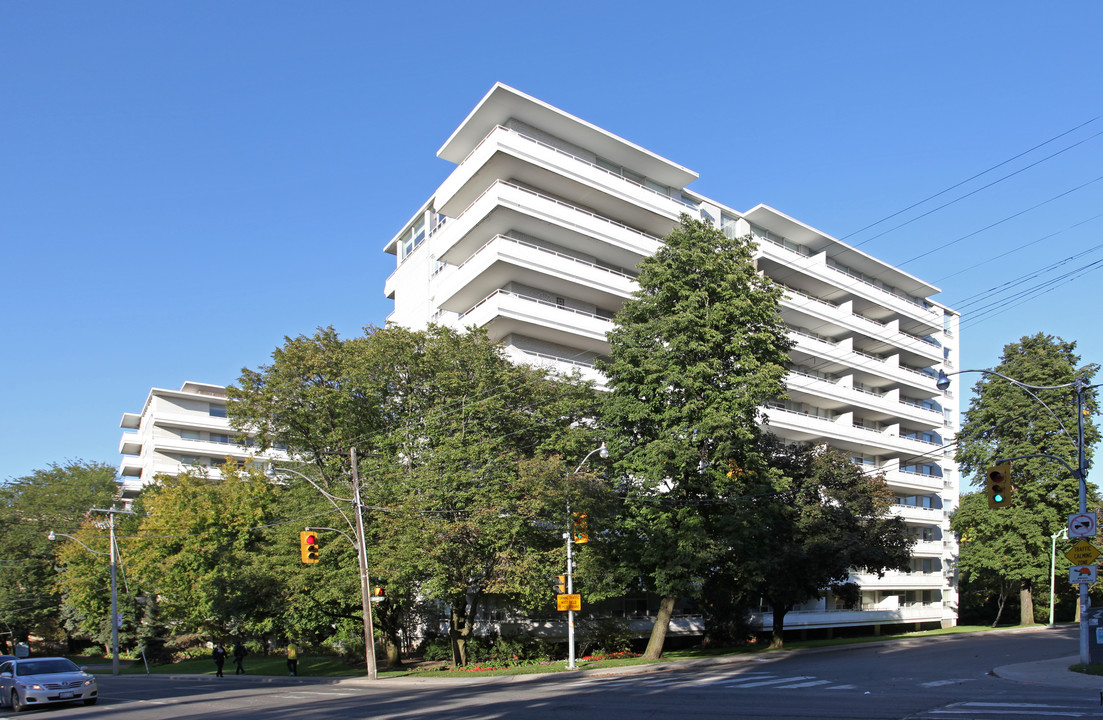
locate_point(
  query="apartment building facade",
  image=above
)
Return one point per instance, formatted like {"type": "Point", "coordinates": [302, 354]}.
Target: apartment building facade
{"type": "Point", "coordinates": [536, 235]}
{"type": "Point", "coordinates": [178, 430]}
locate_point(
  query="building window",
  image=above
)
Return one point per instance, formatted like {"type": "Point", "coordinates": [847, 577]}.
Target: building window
{"type": "Point", "coordinates": [189, 460]}
{"type": "Point", "coordinates": [189, 434]}
{"type": "Point", "coordinates": [218, 411]}
{"type": "Point", "coordinates": [221, 438]}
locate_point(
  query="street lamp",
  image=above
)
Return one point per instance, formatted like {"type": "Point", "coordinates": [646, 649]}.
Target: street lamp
{"type": "Point", "coordinates": [1080, 472]}
{"type": "Point", "coordinates": [113, 551]}
{"type": "Point", "coordinates": [602, 452]}
{"type": "Point", "coordinates": [361, 550]}
{"type": "Point", "coordinates": [1062, 533]}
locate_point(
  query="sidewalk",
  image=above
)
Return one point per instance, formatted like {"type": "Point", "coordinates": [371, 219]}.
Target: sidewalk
{"type": "Point", "coordinates": [1050, 672]}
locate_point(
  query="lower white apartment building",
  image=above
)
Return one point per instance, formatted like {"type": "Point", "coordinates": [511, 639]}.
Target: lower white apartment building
{"type": "Point", "coordinates": [178, 430]}
{"type": "Point", "coordinates": [536, 234]}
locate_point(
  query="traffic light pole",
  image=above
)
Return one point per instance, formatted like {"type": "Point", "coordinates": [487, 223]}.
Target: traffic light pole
{"type": "Point", "coordinates": [361, 550]}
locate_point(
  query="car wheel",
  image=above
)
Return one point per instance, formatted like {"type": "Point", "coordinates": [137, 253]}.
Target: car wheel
{"type": "Point", "coordinates": [15, 704]}
{"type": "Point", "coordinates": [90, 701]}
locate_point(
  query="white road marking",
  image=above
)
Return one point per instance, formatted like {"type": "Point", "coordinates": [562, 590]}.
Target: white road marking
{"type": "Point", "coordinates": [939, 683]}
{"type": "Point", "coordinates": [813, 683]}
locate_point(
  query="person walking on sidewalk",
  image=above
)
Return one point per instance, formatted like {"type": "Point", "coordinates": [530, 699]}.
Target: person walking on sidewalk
{"type": "Point", "coordinates": [292, 659]}
{"type": "Point", "coordinates": [239, 657]}
{"type": "Point", "coordinates": [219, 655]}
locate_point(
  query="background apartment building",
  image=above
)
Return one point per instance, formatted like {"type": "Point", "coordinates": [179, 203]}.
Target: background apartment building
{"type": "Point", "coordinates": [179, 430]}
{"type": "Point", "coordinates": [536, 234]}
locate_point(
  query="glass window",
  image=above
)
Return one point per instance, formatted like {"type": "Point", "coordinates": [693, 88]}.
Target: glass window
{"type": "Point", "coordinates": [189, 434]}
{"type": "Point", "coordinates": [217, 411]}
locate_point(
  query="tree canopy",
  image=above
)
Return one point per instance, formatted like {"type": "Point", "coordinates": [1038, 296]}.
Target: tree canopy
{"type": "Point", "coordinates": [1005, 420]}
{"type": "Point", "coordinates": [695, 354]}
{"type": "Point", "coordinates": [461, 449]}
{"type": "Point", "coordinates": [55, 498]}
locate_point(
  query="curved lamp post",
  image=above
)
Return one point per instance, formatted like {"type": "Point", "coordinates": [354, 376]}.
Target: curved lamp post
{"type": "Point", "coordinates": [602, 452]}
{"type": "Point", "coordinates": [112, 512]}
{"type": "Point", "coordinates": [1080, 472]}
{"type": "Point", "coordinates": [357, 528]}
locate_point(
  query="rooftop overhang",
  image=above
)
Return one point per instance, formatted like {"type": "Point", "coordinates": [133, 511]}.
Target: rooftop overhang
{"type": "Point", "coordinates": [504, 102]}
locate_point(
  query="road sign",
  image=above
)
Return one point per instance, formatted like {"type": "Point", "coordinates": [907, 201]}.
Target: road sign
{"type": "Point", "coordinates": [1082, 553]}
{"type": "Point", "coordinates": [1082, 525]}
{"type": "Point", "coordinates": [568, 602]}
{"type": "Point", "coordinates": [1082, 574]}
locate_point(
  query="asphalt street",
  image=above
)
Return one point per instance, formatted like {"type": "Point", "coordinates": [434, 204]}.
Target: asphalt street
{"type": "Point", "coordinates": [982, 676]}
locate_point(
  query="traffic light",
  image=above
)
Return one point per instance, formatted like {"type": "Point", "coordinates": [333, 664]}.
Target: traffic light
{"type": "Point", "coordinates": [580, 529]}
{"type": "Point", "coordinates": [998, 483]}
{"type": "Point", "coordinates": [378, 592]}
{"type": "Point", "coordinates": [308, 547]}
{"type": "Point", "coordinates": [561, 584]}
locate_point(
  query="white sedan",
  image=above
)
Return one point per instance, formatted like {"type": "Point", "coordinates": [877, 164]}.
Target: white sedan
{"type": "Point", "coordinates": [27, 682]}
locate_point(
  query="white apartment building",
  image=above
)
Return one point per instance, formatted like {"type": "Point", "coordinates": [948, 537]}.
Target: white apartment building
{"type": "Point", "coordinates": [178, 430]}
{"type": "Point", "coordinates": [536, 234]}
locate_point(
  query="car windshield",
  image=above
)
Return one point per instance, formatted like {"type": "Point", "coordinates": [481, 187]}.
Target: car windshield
{"type": "Point", "coordinates": [45, 667]}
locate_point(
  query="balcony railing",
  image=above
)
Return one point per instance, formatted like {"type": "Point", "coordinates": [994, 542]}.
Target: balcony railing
{"type": "Point", "coordinates": [582, 160]}
{"type": "Point", "coordinates": [575, 208]}
{"type": "Point", "coordinates": [605, 268]}
{"type": "Point", "coordinates": [538, 301]}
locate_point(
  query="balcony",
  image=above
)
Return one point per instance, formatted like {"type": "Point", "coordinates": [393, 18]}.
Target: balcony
{"type": "Point", "coordinates": [507, 154]}
{"type": "Point", "coordinates": [506, 259]}
{"type": "Point", "coordinates": [923, 515]}
{"type": "Point", "coordinates": [506, 207]}
{"type": "Point", "coordinates": [562, 366]}
{"type": "Point", "coordinates": [504, 312]}
{"type": "Point", "coordinates": [130, 444]}
{"type": "Point", "coordinates": [130, 467]}
{"type": "Point", "coordinates": [802, 309]}
{"type": "Point", "coordinates": [826, 281]}
{"type": "Point", "coordinates": [898, 580]}
{"type": "Point", "coordinates": [796, 619]}
{"type": "Point", "coordinates": [824, 348]}
{"type": "Point", "coordinates": [825, 393]}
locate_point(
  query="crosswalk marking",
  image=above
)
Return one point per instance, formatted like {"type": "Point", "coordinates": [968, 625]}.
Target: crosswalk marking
{"type": "Point", "coordinates": [762, 683]}
{"type": "Point", "coordinates": [812, 683]}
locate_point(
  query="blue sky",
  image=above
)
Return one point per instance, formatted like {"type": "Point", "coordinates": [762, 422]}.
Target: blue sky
{"type": "Point", "coordinates": [183, 184]}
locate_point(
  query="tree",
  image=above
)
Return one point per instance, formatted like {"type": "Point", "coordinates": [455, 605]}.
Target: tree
{"type": "Point", "coordinates": [695, 353]}
{"type": "Point", "coordinates": [459, 446]}
{"type": "Point", "coordinates": [1003, 421]}
{"type": "Point", "coordinates": [55, 498]}
{"type": "Point", "coordinates": [814, 527]}
{"type": "Point", "coordinates": [992, 548]}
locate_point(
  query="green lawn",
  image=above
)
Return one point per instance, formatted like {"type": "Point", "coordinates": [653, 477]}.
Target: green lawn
{"type": "Point", "coordinates": [335, 667]}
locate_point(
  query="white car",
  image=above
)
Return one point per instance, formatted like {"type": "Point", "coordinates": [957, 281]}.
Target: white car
{"type": "Point", "coordinates": [27, 682]}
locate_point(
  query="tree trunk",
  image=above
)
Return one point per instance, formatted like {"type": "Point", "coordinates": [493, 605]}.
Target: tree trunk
{"type": "Point", "coordinates": [658, 630]}
{"type": "Point", "coordinates": [1026, 604]}
{"type": "Point", "coordinates": [778, 638]}
{"type": "Point", "coordinates": [458, 633]}
{"type": "Point", "coordinates": [999, 607]}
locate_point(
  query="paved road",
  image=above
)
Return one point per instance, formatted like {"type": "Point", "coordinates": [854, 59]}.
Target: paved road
{"type": "Point", "coordinates": [947, 677]}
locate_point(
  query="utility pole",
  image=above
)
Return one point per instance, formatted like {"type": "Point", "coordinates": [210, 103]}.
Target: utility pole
{"type": "Point", "coordinates": [362, 551]}
{"type": "Point", "coordinates": [111, 513]}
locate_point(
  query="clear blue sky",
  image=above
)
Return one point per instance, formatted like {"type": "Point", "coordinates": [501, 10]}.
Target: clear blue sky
{"type": "Point", "coordinates": [182, 184]}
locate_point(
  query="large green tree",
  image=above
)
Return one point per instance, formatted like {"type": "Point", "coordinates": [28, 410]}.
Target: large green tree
{"type": "Point", "coordinates": [55, 498]}
{"type": "Point", "coordinates": [460, 449]}
{"type": "Point", "coordinates": [1005, 420]}
{"type": "Point", "coordinates": [695, 353]}
{"type": "Point", "coordinates": [813, 526]}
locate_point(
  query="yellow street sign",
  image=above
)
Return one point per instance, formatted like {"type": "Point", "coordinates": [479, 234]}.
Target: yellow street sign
{"type": "Point", "coordinates": [568, 602]}
{"type": "Point", "coordinates": [1082, 553]}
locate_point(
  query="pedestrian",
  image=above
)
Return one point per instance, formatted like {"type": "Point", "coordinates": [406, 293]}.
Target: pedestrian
{"type": "Point", "coordinates": [239, 656]}
{"type": "Point", "coordinates": [292, 659]}
{"type": "Point", "coordinates": [219, 655]}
